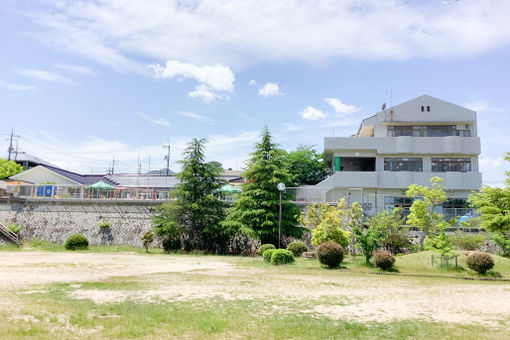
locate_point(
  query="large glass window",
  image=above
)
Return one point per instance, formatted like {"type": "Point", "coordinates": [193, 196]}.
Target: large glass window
{"type": "Point", "coordinates": [451, 164]}
{"type": "Point", "coordinates": [403, 164]}
{"type": "Point", "coordinates": [391, 203]}
{"type": "Point", "coordinates": [427, 131]}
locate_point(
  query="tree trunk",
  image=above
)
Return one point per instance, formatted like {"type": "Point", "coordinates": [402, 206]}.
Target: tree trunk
{"type": "Point", "coordinates": [422, 240]}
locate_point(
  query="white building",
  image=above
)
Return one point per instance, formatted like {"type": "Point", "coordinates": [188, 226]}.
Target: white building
{"type": "Point", "coordinates": [405, 144]}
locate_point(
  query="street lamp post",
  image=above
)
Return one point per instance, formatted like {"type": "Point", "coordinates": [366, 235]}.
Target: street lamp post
{"type": "Point", "coordinates": [281, 188]}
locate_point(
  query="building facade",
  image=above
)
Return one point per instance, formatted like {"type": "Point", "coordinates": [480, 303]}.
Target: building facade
{"type": "Point", "coordinates": [402, 145]}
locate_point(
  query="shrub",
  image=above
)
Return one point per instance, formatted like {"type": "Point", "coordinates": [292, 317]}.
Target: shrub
{"type": "Point", "coordinates": [170, 244]}
{"type": "Point", "coordinates": [267, 255]}
{"type": "Point", "coordinates": [147, 239]}
{"type": "Point", "coordinates": [104, 225]}
{"type": "Point", "coordinates": [297, 248]}
{"type": "Point", "coordinates": [76, 241]}
{"type": "Point", "coordinates": [281, 256]}
{"type": "Point", "coordinates": [265, 247]}
{"type": "Point", "coordinates": [14, 228]}
{"type": "Point", "coordinates": [330, 253]}
{"type": "Point", "coordinates": [465, 241]}
{"type": "Point", "coordinates": [479, 262]}
{"type": "Point", "coordinates": [330, 231]}
{"type": "Point", "coordinates": [383, 259]}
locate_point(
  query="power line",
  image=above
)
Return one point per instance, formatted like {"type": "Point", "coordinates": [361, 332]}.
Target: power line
{"type": "Point", "coordinates": [11, 148]}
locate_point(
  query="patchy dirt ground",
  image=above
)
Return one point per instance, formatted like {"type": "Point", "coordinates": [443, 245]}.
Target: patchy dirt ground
{"type": "Point", "coordinates": [334, 294]}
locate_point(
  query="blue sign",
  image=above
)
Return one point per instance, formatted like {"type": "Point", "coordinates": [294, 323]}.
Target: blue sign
{"type": "Point", "coordinates": [47, 190]}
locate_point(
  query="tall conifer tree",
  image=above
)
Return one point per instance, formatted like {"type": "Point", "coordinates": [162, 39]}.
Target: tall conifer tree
{"type": "Point", "coordinates": [256, 210]}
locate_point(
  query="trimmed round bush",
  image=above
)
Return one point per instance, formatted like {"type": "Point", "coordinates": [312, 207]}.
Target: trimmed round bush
{"type": "Point", "coordinates": [330, 253]}
{"type": "Point", "coordinates": [267, 254]}
{"type": "Point", "coordinates": [281, 256]}
{"type": "Point", "coordinates": [265, 247]}
{"type": "Point", "coordinates": [383, 259]}
{"type": "Point", "coordinates": [76, 241]}
{"type": "Point", "coordinates": [297, 248]}
{"type": "Point", "coordinates": [479, 262]}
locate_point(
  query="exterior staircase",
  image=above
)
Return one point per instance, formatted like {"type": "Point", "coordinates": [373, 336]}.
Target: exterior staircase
{"type": "Point", "coordinates": [11, 236]}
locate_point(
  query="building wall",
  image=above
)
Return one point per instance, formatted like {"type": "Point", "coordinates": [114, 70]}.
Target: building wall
{"type": "Point", "coordinates": [40, 175]}
{"type": "Point", "coordinates": [55, 221]}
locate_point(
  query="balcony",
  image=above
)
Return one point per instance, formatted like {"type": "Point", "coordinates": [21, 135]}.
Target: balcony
{"type": "Point", "coordinates": [406, 145]}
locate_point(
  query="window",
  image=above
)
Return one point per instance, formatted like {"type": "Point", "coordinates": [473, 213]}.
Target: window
{"type": "Point", "coordinates": [451, 164]}
{"type": "Point", "coordinates": [355, 164]}
{"type": "Point", "coordinates": [422, 108]}
{"type": "Point", "coordinates": [391, 203]}
{"type": "Point", "coordinates": [427, 131]}
{"type": "Point", "coordinates": [403, 164]}
{"type": "Point", "coordinates": [428, 108]}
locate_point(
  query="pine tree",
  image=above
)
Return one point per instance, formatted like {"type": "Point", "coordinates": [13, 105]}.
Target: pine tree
{"type": "Point", "coordinates": [256, 210]}
{"type": "Point", "coordinates": [196, 214]}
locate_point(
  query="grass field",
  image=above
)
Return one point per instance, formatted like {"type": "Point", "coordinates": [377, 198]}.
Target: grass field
{"type": "Point", "coordinates": [123, 293]}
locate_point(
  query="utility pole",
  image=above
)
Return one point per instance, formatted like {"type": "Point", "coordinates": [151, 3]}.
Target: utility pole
{"type": "Point", "coordinates": [113, 164]}
{"type": "Point", "coordinates": [167, 157]}
{"type": "Point", "coordinates": [11, 148]}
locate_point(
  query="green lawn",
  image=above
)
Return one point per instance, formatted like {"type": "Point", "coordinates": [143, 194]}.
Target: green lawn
{"type": "Point", "coordinates": [251, 300]}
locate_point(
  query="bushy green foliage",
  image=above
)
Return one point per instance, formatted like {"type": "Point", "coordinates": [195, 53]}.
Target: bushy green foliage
{"type": "Point", "coordinates": [170, 244]}
{"type": "Point", "coordinates": [266, 255]}
{"type": "Point", "coordinates": [306, 165]}
{"type": "Point", "coordinates": [439, 241]}
{"type": "Point", "coordinates": [265, 247]}
{"type": "Point", "coordinates": [422, 214]}
{"type": "Point", "coordinates": [14, 228]}
{"type": "Point", "coordinates": [196, 213]}
{"type": "Point", "coordinates": [330, 229]}
{"type": "Point", "coordinates": [479, 262]}
{"type": "Point", "coordinates": [281, 256]}
{"type": "Point", "coordinates": [297, 248]}
{"type": "Point", "coordinates": [255, 212]}
{"type": "Point", "coordinates": [104, 225]}
{"type": "Point", "coordinates": [494, 206]}
{"type": "Point", "coordinates": [395, 237]}
{"type": "Point", "coordinates": [369, 239]}
{"type": "Point", "coordinates": [76, 241]}
{"type": "Point", "coordinates": [147, 239]}
{"type": "Point", "coordinates": [467, 241]}
{"type": "Point", "coordinates": [9, 168]}
{"type": "Point", "coordinates": [384, 259]}
{"type": "Point", "coordinates": [330, 254]}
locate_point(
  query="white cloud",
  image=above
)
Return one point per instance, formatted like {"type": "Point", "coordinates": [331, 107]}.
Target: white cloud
{"type": "Point", "coordinates": [213, 79]}
{"type": "Point", "coordinates": [149, 118]}
{"type": "Point", "coordinates": [94, 154]}
{"type": "Point", "coordinates": [217, 77]}
{"type": "Point", "coordinates": [204, 93]}
{"type": "Point", "coordinates": [201, 31]}
{"type": "Point", "coordinates": [252, 82]}
{"type": "Point", "coordinates": [44, 75]}
{"type": "Point", "coordinates": [17, 87]}
{"type": "Point", "coordinates": [340, 107]}
{"type": "Point", "coordinates": [479, 105]}
{"type": "Point", "coordinates": [76, 69]}
{"type": "Point", "coordinates": [311, 113]}
{"type": "Point", "coordinates": [493, 170]}
{"type": "Point", "coordinates": [196, 116]}
{"type": "Point", "coordinates": [289, 127]}
{"type": "Point", "coordinates": [270, 89]}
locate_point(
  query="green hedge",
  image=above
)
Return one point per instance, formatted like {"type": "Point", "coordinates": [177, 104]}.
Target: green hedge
{"type": "Point", "coordinates": [76, 241]}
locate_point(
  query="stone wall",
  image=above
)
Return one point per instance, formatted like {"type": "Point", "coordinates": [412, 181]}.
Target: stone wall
{"type": "Point", "coordinates": [54, 221]}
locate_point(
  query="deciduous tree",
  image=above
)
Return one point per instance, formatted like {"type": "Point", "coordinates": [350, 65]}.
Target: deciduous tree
{"type": "Point", "coordinates": [422, 214]}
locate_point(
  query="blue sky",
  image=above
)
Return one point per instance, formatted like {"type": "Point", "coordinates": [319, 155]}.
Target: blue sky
{"type": "Point", "coordinates": [82, 82]}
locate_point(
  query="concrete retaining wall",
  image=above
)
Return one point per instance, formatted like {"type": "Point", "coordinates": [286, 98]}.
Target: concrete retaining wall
{"type": "Point", "coordinates": [54, 221]}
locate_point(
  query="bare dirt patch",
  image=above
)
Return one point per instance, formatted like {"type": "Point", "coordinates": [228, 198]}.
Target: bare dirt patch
{"type": "Point", "coordinates": [332, 294]}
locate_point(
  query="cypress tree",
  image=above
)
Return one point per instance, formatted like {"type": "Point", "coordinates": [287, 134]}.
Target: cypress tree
{"type": "Point", "coordinates": [255, 212]}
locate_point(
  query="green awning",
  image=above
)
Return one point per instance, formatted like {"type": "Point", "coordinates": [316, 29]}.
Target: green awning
{"type": "Point", "coordinates": [100, 186]}
{"type": "Point", "coordinates": [229, 189]}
